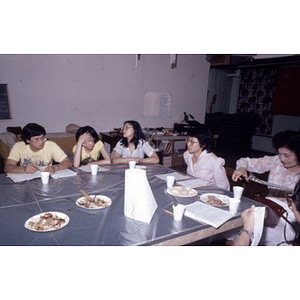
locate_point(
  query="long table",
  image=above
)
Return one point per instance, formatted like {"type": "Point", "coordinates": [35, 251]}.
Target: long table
{"type": "Point", "coordinates": [108, 226]}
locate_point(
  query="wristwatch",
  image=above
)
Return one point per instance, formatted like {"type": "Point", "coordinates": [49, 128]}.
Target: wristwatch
{"type": "Point", "coordinates": [248, 233]}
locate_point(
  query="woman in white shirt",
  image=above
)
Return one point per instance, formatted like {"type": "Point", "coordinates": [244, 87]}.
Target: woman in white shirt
{"type": "Point", "coordinates": [201, 162]}
{"type": "Point", "coordinates": [133, 146]}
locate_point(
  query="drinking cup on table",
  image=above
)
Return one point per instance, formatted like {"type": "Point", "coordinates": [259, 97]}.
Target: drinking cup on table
{"type": "Point", "coordinates": [234, 204]}
{"type": "Point", "coordinates": [94, 169]}
{"type": "Point", "coordinates": [45, 177]}
{"type": "Point", "coordinates": [132, 164]}
{"type": "Point", "coordinates": [237, 192]}
{"type": "Point", "coordinates": [178, 211]}
{"type": "Point", "coordinates": [170, 181]}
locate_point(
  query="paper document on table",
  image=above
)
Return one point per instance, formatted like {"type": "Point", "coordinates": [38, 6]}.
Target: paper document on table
{"type": "Point", "coordinates": [204, 213]}
{"type": "Point", "coordinates": [63, 173]}
{"type": "Point", "coordinates": [259, 216]}
{"type": "Point", "coordinates": [176, 175]}
{"type": "Point", "coordinates": [193, 183]}
{"type": "Point", "coordinates": [23, 177]}
{"type": "Point", "coordinates": [87, 168]}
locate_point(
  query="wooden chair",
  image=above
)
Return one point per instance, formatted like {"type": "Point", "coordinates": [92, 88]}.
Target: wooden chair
{"type": "Point", "coordinates": [229, 172]}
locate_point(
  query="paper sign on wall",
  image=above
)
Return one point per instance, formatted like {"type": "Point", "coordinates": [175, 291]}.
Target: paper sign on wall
{"type": "Point", "coordinates": [157, 104]}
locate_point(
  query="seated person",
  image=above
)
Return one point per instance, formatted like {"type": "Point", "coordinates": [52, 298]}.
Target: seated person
{"type": "Point", "coordinates": [88, 148]}
{"type": "Point", "coordinates": [35, 152]}
{"type": "Point", "coordinates": [201, 162]}
{"type": "Point", "coordinates": [133, 146]}
{"type": "Point", "coordinates": [284, 170]}
{"type": "Point", "coordinates": [293, 202]}
{"type": "Point", "coordinates": [245, 235]}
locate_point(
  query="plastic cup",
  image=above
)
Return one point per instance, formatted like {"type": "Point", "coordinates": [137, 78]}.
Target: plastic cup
{"type": "Point", "coordinates": [170, 181]}
{"type": "Point", "coordinates": [132, 164]}
{"type": "Point", "coordinates": [234, 204]}
{"type": "Point", "coordinates": [45, 177]}
{"type": "Point", "coordinates": [94, 169]}
{"type": "Point", "coordinates": [178, 211]}
{"type": "Point", "coordinates": [237, 192]}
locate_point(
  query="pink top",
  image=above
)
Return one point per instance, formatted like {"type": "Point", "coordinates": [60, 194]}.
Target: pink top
{"type": "Point", "coordinates": [278, 173]}
{"type": "Point", "coordinates": [208, 167]}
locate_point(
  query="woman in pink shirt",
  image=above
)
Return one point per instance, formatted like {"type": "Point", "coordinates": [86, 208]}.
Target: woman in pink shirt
{"type": "Point", "coordinates": [201, 162]}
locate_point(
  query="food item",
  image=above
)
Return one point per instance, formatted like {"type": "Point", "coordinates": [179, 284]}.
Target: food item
{"type": "Point", "coordinates": [212, 200]}
{"type": "Point", "coordinates": [182, 191]}
{"type": "Point", "coordinates": [96, 202]}
{"type": "Point", "coordinates": [46, 222]}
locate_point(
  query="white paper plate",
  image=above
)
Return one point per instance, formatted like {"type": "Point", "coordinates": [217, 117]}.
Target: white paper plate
{"type": "Point", "coordinates": [223, 198]}
{"type": "Point", "coordinates": [180, 191]}
{"type": "Point", "coordinates": [104, 201]}
{"type": "Point", "coordinates": [40, 222]}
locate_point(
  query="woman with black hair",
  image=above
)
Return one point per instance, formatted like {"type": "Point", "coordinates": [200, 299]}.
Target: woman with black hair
{"type": "Point", "coordinates": [88, 148]}
{"type": "Point", "coordinates": [284, 170]}
{"type": "Point", "coordinates": [133, 146]}
{"type": "Point", "coordinates": [201, 162]}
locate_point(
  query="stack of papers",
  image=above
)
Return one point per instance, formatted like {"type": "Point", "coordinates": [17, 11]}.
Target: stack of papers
{"type": "Point", "coordinates": [193, 183]}
{"type": "Point", "coordinates": [25, 177]}
{"type": "Point", "coordinates": [87, 168]}
{"type": "Point", "coordinates": [63, 173]}
{"type": "Point", "coordinates": [204, 213]}
{"type": "Point", "coordinates": [176, 175]}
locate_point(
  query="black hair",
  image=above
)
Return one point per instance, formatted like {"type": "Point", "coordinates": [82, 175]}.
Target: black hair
{"type": "Point", "coordinates": [289, 139]}
{"type": "Point", "coordinates": [89, 129]}
{"type": "Point", "coordinates": [30, 130]}
{"type": "Point", "coordinates": [137, 135]}
{"type": "Point", "coordinates": [204, 136]}
{"type": "Point", "coordinates": [296, 196]}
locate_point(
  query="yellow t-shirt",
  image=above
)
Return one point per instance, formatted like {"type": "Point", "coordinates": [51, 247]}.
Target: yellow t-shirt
{"type": "Point", "coordinates": [21, 152]}
{"type": "Point", "coordinates": [94, 154]}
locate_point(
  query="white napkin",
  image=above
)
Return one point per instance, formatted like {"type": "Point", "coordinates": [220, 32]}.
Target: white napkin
{"type": "Point", "coordinates": [259, 216]}
{"type": "Point", "coordinates": [139, 201]}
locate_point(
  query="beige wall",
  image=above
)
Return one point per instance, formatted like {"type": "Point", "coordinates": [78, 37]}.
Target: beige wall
{"type": "Point", "coordinates": [100, 90]}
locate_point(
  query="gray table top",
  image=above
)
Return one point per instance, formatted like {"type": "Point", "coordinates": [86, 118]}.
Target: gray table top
{"type": "Point", "coordinates": [108, 226]}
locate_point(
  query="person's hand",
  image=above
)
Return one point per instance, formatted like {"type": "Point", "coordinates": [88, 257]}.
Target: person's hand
{"type": "Point", "coordinates": [239, 172]}
{"type": "Point", "coordinates": [248, 218]}
{"type": "Point", "coordinates": [31, 168]}
{"type": "Point", "coordinates": [51, 169]}
{"type": "Point", "coordinates": [83, 138]}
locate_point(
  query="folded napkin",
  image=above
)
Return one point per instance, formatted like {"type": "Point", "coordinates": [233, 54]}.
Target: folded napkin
{"type": "Point", "coordinates": [204, 213]}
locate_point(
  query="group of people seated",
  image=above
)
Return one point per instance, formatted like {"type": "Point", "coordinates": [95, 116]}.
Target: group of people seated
{"type": "Point", "coordinates": [201, 163]}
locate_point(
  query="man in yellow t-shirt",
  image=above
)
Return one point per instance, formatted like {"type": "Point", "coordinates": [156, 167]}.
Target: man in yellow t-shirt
{"type": "Point", "coordinates": [35, 152]}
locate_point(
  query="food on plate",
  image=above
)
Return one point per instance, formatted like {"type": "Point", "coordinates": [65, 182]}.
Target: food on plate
{"type": "Point", "coordinates": [215, 201]}
{"type": "Point", "coordinates": [181, 191]}
{"type": "Point", "coordinates": [46, 222]}
{"type": "Point", "coordinates": [95, 202]}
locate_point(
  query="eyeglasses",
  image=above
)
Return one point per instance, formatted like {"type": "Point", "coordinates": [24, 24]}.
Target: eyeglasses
{"type": "Point", "coordinates": [187, 141]}
{"type": "Point", "coordinates": [126, 128]}
{"type": "Point", "coordinates": [38, 139]}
